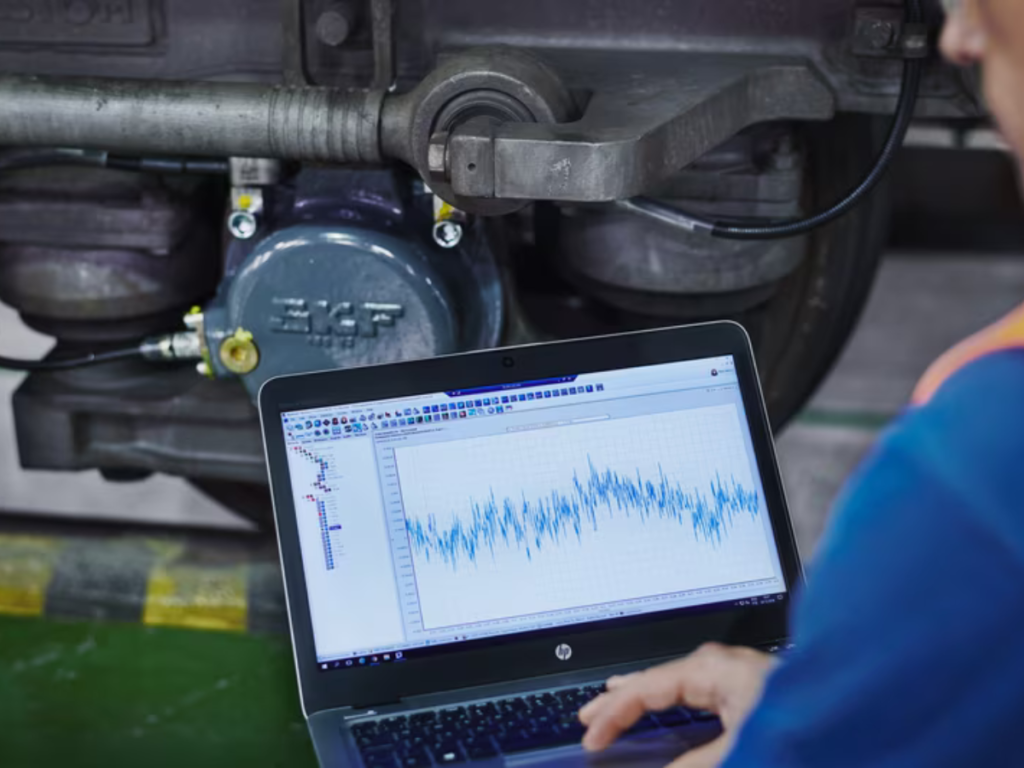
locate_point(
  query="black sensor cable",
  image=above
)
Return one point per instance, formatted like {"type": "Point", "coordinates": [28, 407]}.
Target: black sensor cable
{"type": "Point", "coordinates": [912, 71]}
{"type": "Point", "coordinates": [14, 160]}
{"type": "Point", "coordinates": [93, 358]}
{"type": "Point", "coordinates": [180, 346]}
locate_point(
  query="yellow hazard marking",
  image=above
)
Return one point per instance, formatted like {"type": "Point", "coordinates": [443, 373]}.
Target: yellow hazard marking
{"type": "Point", "coordinates": [443, 211]}
{"type": "Point", "coordinates": [197, 597]}
{"type": "Point", "coordinates": [26, 569]}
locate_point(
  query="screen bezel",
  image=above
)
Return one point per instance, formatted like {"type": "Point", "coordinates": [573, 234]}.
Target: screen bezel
{"type": "Point", "coordinates": [594, 645]}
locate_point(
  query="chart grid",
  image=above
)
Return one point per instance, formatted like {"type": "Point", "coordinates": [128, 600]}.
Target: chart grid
{"type": "Point", "coordinates": [571, 516]}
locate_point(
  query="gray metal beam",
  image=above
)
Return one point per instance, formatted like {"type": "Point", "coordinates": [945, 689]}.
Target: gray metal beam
{"type": "Point", "coordinates": [633, 134]}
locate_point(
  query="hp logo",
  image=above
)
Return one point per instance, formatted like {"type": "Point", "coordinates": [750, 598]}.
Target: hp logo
{"type": "Point", "coordinates": [563, 652]}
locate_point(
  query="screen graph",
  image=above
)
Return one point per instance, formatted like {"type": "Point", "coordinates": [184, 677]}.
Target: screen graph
{"type": "Point", "coordinates": [568, 517]}
{"type": "Point", "coordinates": [531, 525]}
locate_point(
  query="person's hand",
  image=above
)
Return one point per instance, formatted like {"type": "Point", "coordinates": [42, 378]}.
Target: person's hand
{"type": "Point", "coordinates": [726, 681]}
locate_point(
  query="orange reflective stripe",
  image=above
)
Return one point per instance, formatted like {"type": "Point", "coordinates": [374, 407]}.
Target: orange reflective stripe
{"type": "Point", "coordinates": [1008, 333]}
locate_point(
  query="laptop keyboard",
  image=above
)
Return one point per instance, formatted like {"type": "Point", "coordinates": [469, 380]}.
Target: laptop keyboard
{"type": "Point", "coordinates": [482, 731]}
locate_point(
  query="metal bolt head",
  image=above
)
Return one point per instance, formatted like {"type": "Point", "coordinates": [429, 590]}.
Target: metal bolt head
{"type": "Point", "coordinates": [878, 33]}
{"type": "Point", "coordinates": [334, 25]}
{"type": "Point", "coordinates": [448, 234]}
{"type": "Point", "coordinates": [239, 354]}
{"type": "Point", "coordinates": [242, 225]}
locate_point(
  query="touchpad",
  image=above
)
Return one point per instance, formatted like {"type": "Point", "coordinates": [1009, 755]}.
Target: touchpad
{"type": "Point", "coordinates": [642, 751]}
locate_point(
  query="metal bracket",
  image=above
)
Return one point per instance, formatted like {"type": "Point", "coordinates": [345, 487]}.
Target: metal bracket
{"type": "Point", "coordinates": [882, 32]}
{"type": "Point", "coordinates": [631, 136]}
{"type": "Point", "coordinates": [293, 55]}
{"type": "Point", "coordinates": [384, 54]}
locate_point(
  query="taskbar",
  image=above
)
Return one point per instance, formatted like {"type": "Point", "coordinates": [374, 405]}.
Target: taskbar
{"type": "Point", "coordinates": [393, 656]}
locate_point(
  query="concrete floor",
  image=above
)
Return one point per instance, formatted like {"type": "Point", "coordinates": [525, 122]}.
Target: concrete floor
{"type": "Point", "coordinates": [921, 305]}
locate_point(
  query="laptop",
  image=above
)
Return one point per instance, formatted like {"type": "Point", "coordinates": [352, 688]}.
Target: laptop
{"type": "Point", "coordinates": [472, 544]}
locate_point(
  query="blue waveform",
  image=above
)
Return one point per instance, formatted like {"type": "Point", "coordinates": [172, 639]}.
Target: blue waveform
{"type": "Point", "coordinates": [554, 518]}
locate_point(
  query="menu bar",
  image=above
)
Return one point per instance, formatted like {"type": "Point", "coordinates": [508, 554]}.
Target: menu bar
{"type": "Point", "coordinates": [361, 420]}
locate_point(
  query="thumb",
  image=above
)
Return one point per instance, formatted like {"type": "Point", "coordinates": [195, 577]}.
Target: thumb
{"type": "Point", "coordinates": [710, 755]}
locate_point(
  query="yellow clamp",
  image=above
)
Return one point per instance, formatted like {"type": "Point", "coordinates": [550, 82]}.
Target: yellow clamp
{"type": "Point", "coordinates": [194, 321]}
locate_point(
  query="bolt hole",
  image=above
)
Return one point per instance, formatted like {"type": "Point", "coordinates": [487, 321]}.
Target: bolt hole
{"type": "Point", "coordinates": [471, 167]}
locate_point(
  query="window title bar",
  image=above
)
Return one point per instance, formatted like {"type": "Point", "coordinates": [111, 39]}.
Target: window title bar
{"type": "Point", "coordinates": [507, 387]}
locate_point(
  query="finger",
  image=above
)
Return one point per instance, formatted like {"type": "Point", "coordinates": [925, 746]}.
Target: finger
{"type": "Point", "coordinates": [710, 755]}
{"type": "Point", "coordinates": [589, 710]}
{"type": "Point", "coordinates": [617, 681]}
{"type": "Point", "coordinates": [613, 683]}
{"type": "Point", "coordinates": [693, 681]}
{"type": "Point", "coordinates": [654, 690]}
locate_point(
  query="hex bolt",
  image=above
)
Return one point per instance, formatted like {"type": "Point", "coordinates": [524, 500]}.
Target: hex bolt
{"type": "Point", "coordinates": [242, 225]}
{"type": "Point", "coordinates": [448, 234]}
{"type": "Point", "coordinates": [335, 25]}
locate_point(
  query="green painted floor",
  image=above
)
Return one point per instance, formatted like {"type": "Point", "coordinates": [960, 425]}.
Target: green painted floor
{"type": "Point", "coordinates": [107, 694]}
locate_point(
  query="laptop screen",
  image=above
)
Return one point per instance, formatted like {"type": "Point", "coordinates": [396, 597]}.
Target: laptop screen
{"type": "Point", "coordinates": [430, 521]}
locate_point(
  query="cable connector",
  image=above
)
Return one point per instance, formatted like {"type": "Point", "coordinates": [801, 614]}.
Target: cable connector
{"type": "Point", "coordinates": [184, 345]}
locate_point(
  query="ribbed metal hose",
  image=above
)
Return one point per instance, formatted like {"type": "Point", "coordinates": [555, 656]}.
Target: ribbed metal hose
{"type": "Point", "coordinates": [191, 118]}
